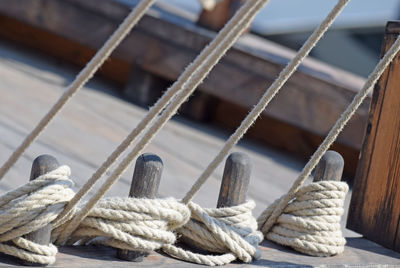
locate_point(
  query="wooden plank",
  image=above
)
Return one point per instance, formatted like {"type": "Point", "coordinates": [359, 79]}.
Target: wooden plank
{"type": "Point", "coordinates": [316, 94]}
{"type": "Point", "coordinates": [375, 204]}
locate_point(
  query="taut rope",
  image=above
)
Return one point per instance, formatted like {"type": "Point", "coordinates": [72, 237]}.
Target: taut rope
{"type": "Point", "coordinates": [93, 65]}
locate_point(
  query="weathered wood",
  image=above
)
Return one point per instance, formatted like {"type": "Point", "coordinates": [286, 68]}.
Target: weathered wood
{"type": "Point", "coordinates": [375, 205]}
{"type": "Point", "coordinates": [329, 168]}
{"type": "Point", "coordinates": [316, 94]}
{"type": "Point", "coordinates": [235, 180]}
{"type": "Point", "coordinates": [145, 182]}
{"type": "Point", "coordinates": [41, 165]}
{"type": "Point", "coordinates": [216, 18]}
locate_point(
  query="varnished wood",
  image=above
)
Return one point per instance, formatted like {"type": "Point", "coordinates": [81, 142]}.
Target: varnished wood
{"type": "Point", "coordinates": [375, 205]}
{"type": "Point", "coordinates": [235, 180]}
{"type": "Point", "coordinates": [145, 182]}
{"type": "Point", "coordinates": [40, 166]}
{"type": "Point", "coordinates": [329, 168]}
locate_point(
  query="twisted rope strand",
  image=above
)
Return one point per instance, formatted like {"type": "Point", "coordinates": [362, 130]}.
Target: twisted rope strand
{"type": "Point", "coordinates": [86, 73]}
{"type": "Point", "coordinates": [267, 97]}
{"type": "Point", "coordinates": [332, 135]}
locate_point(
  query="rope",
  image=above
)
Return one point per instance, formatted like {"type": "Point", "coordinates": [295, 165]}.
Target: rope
{"type": "Point", "coordinates": [267, 97]}
{"type": "Point", "coordinates": [231, 231]}
{"type": "Point", "coordinates": [332, 135]}
{"type": "Point", "coordinates": [243, 18]}
{"type": "Point", "coordinates": [130, 223]}
{"type": "Point", "coordinates": [215, 49]}
{"type": "Point", "coordinates": [80, 80]}
{"type": "Point", "coordinates": [310, 223]}
{"type": "Point", "coordinates": [30, 208]}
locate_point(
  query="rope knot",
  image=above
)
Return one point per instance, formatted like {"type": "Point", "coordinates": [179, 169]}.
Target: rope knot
{"type": "Point", "coordinates": [229, 230]}
{"type": "Point", "coordinates": [29, 208]}
{"type": "Point", "coordinates": [132, 223]}
{"type": "Point", "coordinates": [310, 223]}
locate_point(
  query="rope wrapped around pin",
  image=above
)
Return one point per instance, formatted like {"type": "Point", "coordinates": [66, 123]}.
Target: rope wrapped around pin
{"type": "Point", "coordinates": [230, 229]}
{"type": "Point", "coordinates": [31, 208]}
{"type": "Point", "coordinates": [310, 223]}
{"type": "Point", "coordinates": [137, 224]}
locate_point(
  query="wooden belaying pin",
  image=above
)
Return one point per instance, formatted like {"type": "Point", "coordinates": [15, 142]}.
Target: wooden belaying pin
{"type": "Point", "coordinates": [145, 182]}
{"type": "Point", "coordinates": [235, 180]}
{"type": "Point", "coordinates": [329, 168]}
{"type": "Point", "coordinates": [40, 166]}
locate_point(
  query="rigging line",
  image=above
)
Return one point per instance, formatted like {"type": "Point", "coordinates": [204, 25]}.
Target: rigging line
{"type": "Point", "coordinates": [267, 97]}
{"type": "Point", "coordinates": [86, 73]}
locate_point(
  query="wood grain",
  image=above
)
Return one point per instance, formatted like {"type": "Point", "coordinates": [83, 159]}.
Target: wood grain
{"type": "Point", "coordinates": [375, 205]}
{"type": "Point", "coordinates": [329, 168]}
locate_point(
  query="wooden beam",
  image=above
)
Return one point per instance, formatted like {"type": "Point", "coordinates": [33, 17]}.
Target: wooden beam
{"type": "Point", "coordinates": [375, 205]}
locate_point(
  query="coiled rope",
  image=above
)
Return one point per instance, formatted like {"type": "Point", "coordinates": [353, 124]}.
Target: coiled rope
{"type": "Point", "coordinates": [29, 208]}
{"type": "Point", "coordinates": [310, 223]}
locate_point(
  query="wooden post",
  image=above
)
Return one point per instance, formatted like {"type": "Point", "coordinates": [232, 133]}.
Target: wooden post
{"type": "Point", "coordinates": [216, 18]}
{"type": "Point", "coordinates": [40, 166]}
{"type": "Point", "coordinates": [235, 180]}
{"type": "Point", "coordinates": [329, 168]}
{"type": "Point", "coordinates": [145, 182]}
{"type": "Point", "coordinates": [375, 204]}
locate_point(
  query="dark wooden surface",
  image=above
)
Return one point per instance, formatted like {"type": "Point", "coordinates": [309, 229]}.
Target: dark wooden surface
{"type": "Point", "coordinates": [375, 204]}
{"type": "Point", "coordinates": [309, 103]}
{"type": "Point", "coordinates": [145, 183]}
{"type": "Point", "coordinates": [329, 168]}
{"type": "Point", "coordinates": [235, 180]}
{"type": "Point", "coordinates": [40, 166]}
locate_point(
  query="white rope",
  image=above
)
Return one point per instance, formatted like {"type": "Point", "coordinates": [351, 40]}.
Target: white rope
{"type": "Point", "coordinates": [130, 223]}
{"type": "Point", "coordinates": [29, 208]}
{"type": "Point", "coordinates": [230, 231]}
{"type": "Point", "coordinates": [245, 15]}
{"type": "Point", "coordinates": [209, 56]}
{"type": "Point", "coordinates": [86, 73]}
{"type": "Point", "coordinates": [285, 74]}
{"type": "Point", "coordinates": [332, 135]}
{"type": "Point", "coordinates": [310, 223]}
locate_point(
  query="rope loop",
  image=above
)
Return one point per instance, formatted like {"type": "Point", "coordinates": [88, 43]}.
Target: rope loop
{"type": "Point", "coordinates": [310, 223]}
{"type": "Point", "coordinates": [231, 231]}
{"type": "Point", "coordinates": [29, 208]}
{"type": "Point", "coordinates": [130, 223]}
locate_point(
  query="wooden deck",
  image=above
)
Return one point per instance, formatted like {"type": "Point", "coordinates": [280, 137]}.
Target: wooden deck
{"type": "Point", "coordinates": [166, 40]}
{"type": "Point", "coordinates": [95, 121]}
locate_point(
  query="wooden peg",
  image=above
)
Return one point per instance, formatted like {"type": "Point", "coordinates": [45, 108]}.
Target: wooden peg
{"type": "Point", "coordinates": [235, 180]}
{"type": "Point", "coordinates": [329, 168]}
{"type": "Point", "coordinates": [145, 182]}
{"type": "Point", "coordinates": [40, 166]}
